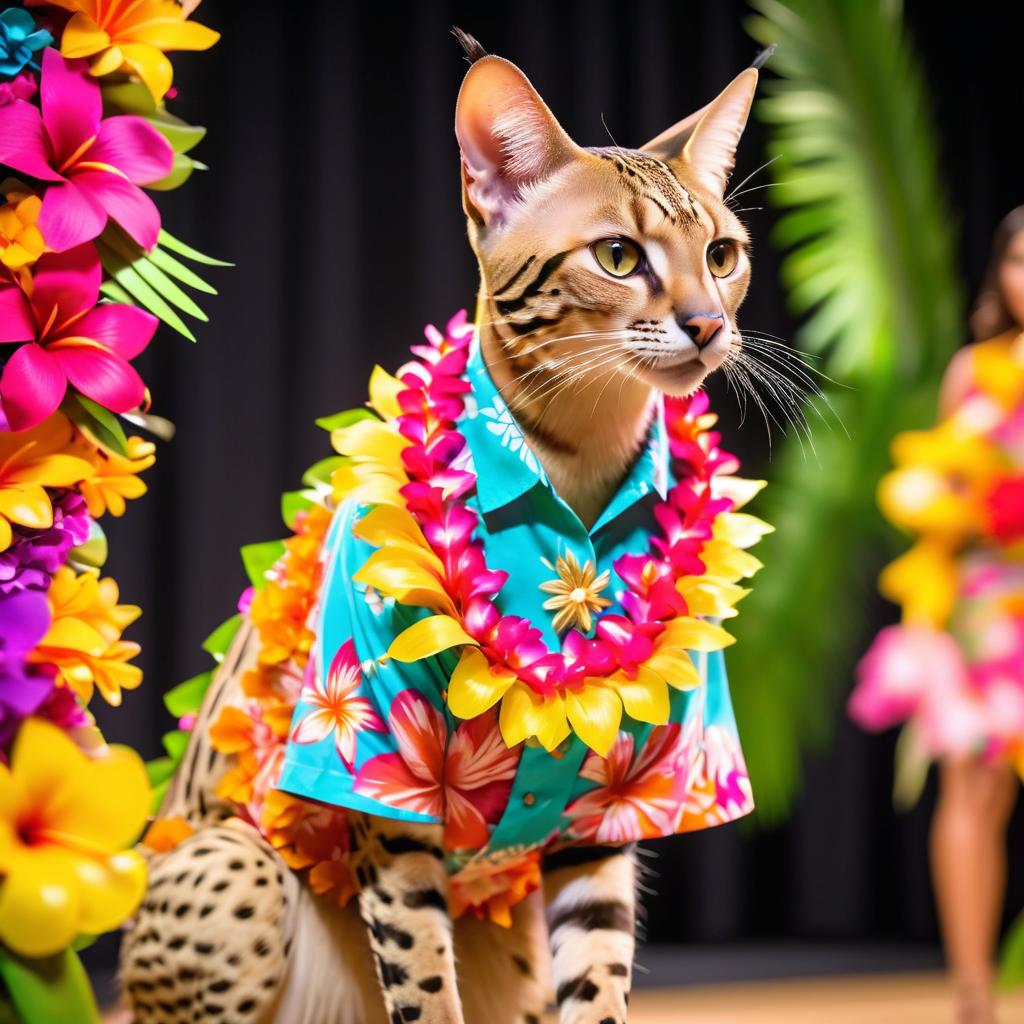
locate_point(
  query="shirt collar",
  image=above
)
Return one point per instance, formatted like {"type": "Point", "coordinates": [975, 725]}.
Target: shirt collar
{"type": "Point", "coordinates": [506, 467]}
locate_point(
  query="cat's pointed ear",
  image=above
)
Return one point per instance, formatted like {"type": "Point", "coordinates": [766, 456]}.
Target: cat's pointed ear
{"type": "Point", "coordinates": [705, 142]}
{"type": "Point", "coordinates": [508, 138]}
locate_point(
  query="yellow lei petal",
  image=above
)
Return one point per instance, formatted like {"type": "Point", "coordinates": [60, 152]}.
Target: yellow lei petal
{"type": "Point", "coordinates": [740, 529]}
{"type": "Point", "coordinates": [370, 441]}
{"type": "Point", "coordinates": [28, 505]}
{"type": "Point", "coordinates": [705, 596]}
{"type": "Point", "coordinates": [644, 698]}
{"type": "Point", "coordinates": [675, 667]}
{"type": "Point", "coordinates": [692, 634]}
{"type": "Point", "coordinates": [727, 561]}
{"type": "Point", "coordinates": [390, 525]}
{"type": "Point", "coordinates": [737, 489]}
{"type": "Point", "coordinates": [406, 577]}
{"type": "Point", "coordinates": [595, 714]}
{"type": "Point", "coordinates": [525, 714]}
{"type": "Point", "coordinates": [428, 637]}
{"type": "Point", "coordinates": [474, 687]}
{"type": "Point", "coordinates": [384, 391]}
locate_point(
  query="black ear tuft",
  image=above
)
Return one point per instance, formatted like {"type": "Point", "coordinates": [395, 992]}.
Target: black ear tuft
{"type": "Point", "coordinates": [474, 51]}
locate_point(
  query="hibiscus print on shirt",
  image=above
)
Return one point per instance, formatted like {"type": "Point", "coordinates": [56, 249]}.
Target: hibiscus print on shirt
{"type": "Point", "coordinates": [467, 785]}
{"type": "Point", "coordinates": [335, 707]}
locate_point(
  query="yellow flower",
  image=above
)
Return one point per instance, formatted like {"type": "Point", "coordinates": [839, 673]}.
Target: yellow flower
{"type": "Point", "coordinates": [940, 481]}
{"type": "Point", "coordinates": [21, 243]}
{"type": "Point", "coordinates": [115, 477]}
{"type": "Point", "coordinates": [924, 582]}
{"type": "Point", "coordinates": [131, 35]}
{"type": "Point", "coordinates": [65, 820]}
{"type": "Point", "coordinates": [576, 593]}
{"type": "Point", "coordinates": [84, 638]}
{"type": "Point", "coordinates": [31, 461]}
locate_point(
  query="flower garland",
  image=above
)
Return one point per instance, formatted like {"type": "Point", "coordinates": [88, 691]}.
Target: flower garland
{"type": "Point", "coordinates": [424, 536]}
{"type": "Point", "coordinates": [86, 275]}
{"type": "Point", "coordinates": [959, 488]}
{"type": "Point", "coordinates": [412, 467]}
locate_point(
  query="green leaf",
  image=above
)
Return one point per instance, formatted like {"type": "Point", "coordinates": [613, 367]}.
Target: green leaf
{"type": "Point", "coordinates": [345, 419]}
{"type": "Point", "coordinates": [871, 268]}
{"type": "Point", "coordinates": [218, 642]}
{"type": "Point", "coordinates": [160, 769]}
{"type": "Point", "coordinates": [320, 472]}
{"type": "Point", "coordinates": [181, 170]}
{"type": "Point", "coordinates": [258, 558]}
{"type": "Point", "coordinates": [98, 424]}
{"type": "Point", "coordinates": [187, 697]}
{"type": "Point", "coordinates": [139, 260]}
{"type": "Point", "coordinates": [92, 554]}
{"type": "Point", "coordinates": [293, 502]}
{"type": "Point", "coordinates": [113, 291]}
{"type": "Point", "coordinates": [54, 988]}
{"type": "Point", "coordinates": [159, 793]}
{"type": "Point", "coordinates": [168, 241]}
{"type": "Point", "coordinates": [1011, 959]}
{"type": "Point", "coordinates": [128, 98]}
{"type": "Point", "coordinates": [175, 743]}
{"type": "Point", "coordinates": [175, 268]}
{"type": "Point", "coordinates": [180, 134]}
{"type": "Point", "coordinates": [141, 293]}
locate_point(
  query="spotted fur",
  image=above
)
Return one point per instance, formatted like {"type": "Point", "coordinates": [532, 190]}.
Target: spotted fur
{"type": "Point", "coordinates": [226, 932]}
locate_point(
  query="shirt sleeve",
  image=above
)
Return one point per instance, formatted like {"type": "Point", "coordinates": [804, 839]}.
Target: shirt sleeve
{"type": "Point", "coordinates": [368, 733]}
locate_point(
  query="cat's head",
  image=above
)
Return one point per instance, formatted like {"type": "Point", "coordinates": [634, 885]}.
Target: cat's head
{"type": "Point", "coordinates": [608, 259]}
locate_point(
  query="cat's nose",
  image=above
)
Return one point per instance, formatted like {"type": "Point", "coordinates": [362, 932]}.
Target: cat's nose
{"type": "Point", "coordinates": [702, 327]}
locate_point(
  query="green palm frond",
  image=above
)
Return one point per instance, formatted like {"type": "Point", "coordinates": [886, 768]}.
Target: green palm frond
{"type": "Point", "coordinates": [870, 268]}
{"type": "Point", "coordinates": [153, 278]}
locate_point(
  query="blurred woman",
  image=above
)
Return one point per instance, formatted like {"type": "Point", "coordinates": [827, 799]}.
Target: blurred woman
{"type": "Point", "coordinates": [953, 670]}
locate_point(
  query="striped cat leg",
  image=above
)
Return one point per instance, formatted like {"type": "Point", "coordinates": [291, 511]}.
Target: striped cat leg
{"type": "Point", "coordinates": [403, 882]}
{"type": "Point", "coordinates": [591, 916]}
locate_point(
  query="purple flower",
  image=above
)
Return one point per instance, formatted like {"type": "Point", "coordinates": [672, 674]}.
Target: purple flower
{"type": "Point", "coordinates": [24, 620]}
{"type": "Point", "coordinates": [35, 555]}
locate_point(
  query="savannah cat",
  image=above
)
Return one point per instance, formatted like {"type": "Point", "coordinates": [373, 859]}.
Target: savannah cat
{"type": "Point", "coordinates": [634, 247]}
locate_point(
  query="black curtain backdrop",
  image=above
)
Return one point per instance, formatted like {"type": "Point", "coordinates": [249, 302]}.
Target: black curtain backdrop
{"type": "Point", "coordinates": [333, 184]}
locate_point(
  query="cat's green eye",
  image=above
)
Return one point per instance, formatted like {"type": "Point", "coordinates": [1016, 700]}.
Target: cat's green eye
{"type": "Point", "coordinates": [723, 256]}
{"type": "Point", "coordinates": [618, 256]}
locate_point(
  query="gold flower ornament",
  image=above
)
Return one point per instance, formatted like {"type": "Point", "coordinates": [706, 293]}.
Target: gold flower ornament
{"type": "Point", "coordinates": [576, 593]}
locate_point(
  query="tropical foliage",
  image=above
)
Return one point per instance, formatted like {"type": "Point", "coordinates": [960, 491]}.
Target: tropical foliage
{"type": "Point", "coordinates": [870, 269]}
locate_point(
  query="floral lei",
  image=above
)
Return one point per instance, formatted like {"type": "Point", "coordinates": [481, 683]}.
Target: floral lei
{"type": "Point", "coordinates": [412, 466]}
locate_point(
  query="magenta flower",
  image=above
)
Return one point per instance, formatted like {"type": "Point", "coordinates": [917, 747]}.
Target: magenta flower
{"type": "Point", "coordinates": [70, 340]}
{"type": "Point", "coordinates": [95, 164]}
{"type": "Point", "coordinates": [24, 620]}
{"type": "Point", "coordinates": [21, 87]}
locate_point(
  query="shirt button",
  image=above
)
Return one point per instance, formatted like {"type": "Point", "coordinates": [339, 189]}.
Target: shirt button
{"type": "Point", "coordinates": [529, 799]}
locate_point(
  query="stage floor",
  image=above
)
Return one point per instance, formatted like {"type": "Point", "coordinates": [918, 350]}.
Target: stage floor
{"type": "Point", "coordinates": [919, 998]}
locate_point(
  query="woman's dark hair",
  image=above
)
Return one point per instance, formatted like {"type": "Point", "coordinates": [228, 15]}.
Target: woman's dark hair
{"type": "Point", "coordinates": [991, 316]}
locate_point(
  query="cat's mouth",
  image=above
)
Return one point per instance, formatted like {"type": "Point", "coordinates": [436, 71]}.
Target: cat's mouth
{"type": "Point", "coordinates": [680, 378]}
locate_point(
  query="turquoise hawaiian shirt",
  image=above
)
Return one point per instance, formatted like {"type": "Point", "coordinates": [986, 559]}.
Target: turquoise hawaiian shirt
{"type": "Point", "coordinates": [417, 762]}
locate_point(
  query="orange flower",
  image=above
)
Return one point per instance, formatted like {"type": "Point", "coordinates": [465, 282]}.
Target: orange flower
{"type": "Point", "coordinates": [31, 461]}
{"type": "Point", "coordinates": [165, 834]}
{"type": "Point", "coordinates": [84, 639]}
{"type": "Point", "coordinates": [131, 35]}
{"type": "Point", "coordinates": [21, 242]}
{"type": "Point", "coordinates": [115, 477]}
{"type": "Point", "coordinates": [490, 891]}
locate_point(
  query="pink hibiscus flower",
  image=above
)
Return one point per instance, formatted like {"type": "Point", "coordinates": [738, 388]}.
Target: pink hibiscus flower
{"type": "Point", "coordinates": [337, 710]}
{"type": "Point", "coordinates": [95, 164]}
{"type": "Point", "coordinates": [905, 668]}
{"type": "Point", "coordinates": [639, 798]}
{"type": "Point", "coordinates": [468, 786]}
{"type": "Point", "coordinates": [70, 340]}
